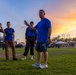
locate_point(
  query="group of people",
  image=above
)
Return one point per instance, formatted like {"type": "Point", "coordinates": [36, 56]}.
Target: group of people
{"type": "Point", "coordinates": [40, 33]}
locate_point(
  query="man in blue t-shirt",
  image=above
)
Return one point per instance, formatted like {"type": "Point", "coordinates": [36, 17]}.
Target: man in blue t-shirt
{"type": "Point", "coordinates": [9, 40]}
{"type": "Point", "coordinates": [44, 33]}
{"type": "Point", "coordinates": [30, 37]}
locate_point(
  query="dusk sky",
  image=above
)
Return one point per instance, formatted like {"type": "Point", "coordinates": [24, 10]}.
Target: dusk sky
{"type": "Point", "coordinates": [62, 14]}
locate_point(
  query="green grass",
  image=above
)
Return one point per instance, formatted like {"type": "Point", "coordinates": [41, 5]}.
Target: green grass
{"type": "Point", "coordinates": [61, 62]}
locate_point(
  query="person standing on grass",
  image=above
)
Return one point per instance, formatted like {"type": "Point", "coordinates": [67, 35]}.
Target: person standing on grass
{"type": "Point", "coordinates": [44, 33]}
{"type": "Point", "coordinates": [30, 37]}
{"type": "Point", "coordinates": [9, 40]}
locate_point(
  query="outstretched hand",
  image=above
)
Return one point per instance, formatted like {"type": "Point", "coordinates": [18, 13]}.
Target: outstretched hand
{"type": "Point", "coordinates": [25, 22]}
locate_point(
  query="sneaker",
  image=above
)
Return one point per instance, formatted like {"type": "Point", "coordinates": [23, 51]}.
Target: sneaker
{"type": "Point", "coordinates": [14, 58]}
{"type": "Point", "coordinates": [44, 66]}
{"type": "Point", "coordinates": [31, 57]}
{"type": "Point", "coordinates": [23, 58]}
{"type": "Point", "coordinates": [36, 65]}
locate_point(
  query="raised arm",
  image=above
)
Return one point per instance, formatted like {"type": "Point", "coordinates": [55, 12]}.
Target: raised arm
{"type": "Point", "coordinates": [1, 28]}
{"type": "Point", "coordinates": [26, 23]}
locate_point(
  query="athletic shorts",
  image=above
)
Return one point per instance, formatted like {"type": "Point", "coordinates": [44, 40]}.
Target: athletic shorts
{"type": "Point", "coordinates": [42, 47]}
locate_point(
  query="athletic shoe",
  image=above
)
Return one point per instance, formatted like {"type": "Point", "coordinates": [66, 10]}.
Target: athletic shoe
{"type": "Point", "coordinates": [36, 65]}
{"type": "Point", "coordinates": [14, 58]}
{"type": "Point", "coordinates": [31, 57]}
{"type": "Point", "coordinates": [44, 66]}
{"type": "Point", "coordinates": [23, 58]}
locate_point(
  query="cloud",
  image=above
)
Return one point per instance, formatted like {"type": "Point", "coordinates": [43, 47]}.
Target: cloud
{"type": "Point", "coordinates": [61, 13]}
{"type": "Point", "coordinates": [63, 16]}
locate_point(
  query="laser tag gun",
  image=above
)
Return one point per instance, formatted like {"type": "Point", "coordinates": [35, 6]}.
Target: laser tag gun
{"type": "Point", "coordinates": [35, 46]}
{"type": "Point", "coordinates": [44, 46]}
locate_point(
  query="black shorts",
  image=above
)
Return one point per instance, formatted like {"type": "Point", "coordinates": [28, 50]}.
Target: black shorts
{"type": "Point", "coordinates": [42, 47]}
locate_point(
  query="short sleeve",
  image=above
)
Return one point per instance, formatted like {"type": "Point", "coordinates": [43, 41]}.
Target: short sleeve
{"type": "Point", "coordinates": [5, 30]}
{"type": "Point", "coordinates": [13, 30]}
{"type": "Point", "coordinates": [48, 24]}
{"type": "Point", "coordinates": [36, 26]}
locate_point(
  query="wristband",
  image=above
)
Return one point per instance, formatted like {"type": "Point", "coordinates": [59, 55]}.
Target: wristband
{"type": "Point", "coordinates": [48, 37]}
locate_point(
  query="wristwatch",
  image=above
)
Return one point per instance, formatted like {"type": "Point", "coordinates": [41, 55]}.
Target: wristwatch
{"type": "Point", "coordinates": [48, 37]}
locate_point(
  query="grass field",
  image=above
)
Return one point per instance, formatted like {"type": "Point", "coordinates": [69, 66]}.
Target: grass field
{"type": "Point", "coordinates": [61, 62]}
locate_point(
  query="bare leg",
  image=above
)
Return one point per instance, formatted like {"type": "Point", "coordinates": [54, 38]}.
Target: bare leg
{"type": "Point", "coordinates": [45, 57]}
{"type": "Point", "coordinates": [39, 55]}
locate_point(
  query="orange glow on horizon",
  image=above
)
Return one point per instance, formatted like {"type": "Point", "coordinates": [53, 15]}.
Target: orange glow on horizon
{"type": "Point", "coordinates": [64, 24]}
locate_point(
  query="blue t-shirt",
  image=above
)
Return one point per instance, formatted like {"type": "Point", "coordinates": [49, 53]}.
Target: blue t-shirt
{"type": "Point", "coordinates": [30, 32]}
{"type": "Point", "coordinates": [9, 34]}
{"type": "Point", "coordinates": [42, 27]}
